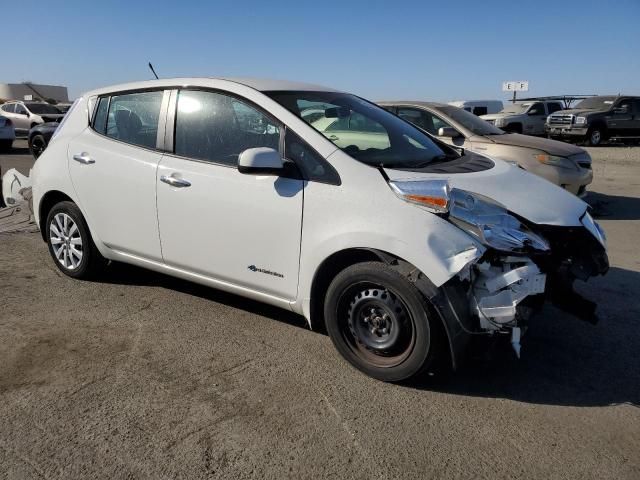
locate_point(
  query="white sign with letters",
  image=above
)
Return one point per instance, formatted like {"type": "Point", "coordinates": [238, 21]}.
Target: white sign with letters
{"type": "Point", "coordinates": [28, 98]}
{"type": "Point", "coordinates": [521, 86]}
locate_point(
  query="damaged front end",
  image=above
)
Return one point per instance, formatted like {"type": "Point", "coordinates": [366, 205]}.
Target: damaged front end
{"type": "Point", "coordinates": [524, 265]}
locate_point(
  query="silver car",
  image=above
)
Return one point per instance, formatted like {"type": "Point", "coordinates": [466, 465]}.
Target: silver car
{"type": "Point", "coordinates": [564, 164]}
{"type": "Point", "coordinates": [26, 115]}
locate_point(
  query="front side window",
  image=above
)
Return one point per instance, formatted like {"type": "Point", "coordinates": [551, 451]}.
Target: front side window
{"type": "Point", "coordinates": [372, 135]}
{"type": "Point", "coordinates": [423, 119]}
{"type": "Point", "coordinates": [469, 121]}
{"type": "Point", "coordinates": [624, 106]}
{"type": "Point", "coordinates": [311, 163]}
{"type": "Point", "coordinates": [479, 111]}
{"type": "Point", "coordinates": [21, 110]}
{"type": "Point", "coordinates": [536, 109]}
{"type": "Point", "coordinates": [133, 118]}
{"type": "Point", "coordinates": [217, 128]}
{"type": "Point", "coordinates": [553, 107]}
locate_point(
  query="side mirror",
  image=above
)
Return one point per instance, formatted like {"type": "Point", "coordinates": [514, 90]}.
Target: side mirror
{"type": "Point", "coordinates": [448, 132]}
{"type": "Point", "coordinates": [260, 161]}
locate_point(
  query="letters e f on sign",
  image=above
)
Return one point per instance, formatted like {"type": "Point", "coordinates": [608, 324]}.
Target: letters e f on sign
{"type": "Point", "coordinates": [520, 86]}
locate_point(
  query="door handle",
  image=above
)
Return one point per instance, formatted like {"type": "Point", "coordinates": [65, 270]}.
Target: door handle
{"type": "Point", "coordinates": [175, 182]}
{"type": "Point", "coordinates": [333, 137]}
{"type": "Point", "coordinates": [83, 158]}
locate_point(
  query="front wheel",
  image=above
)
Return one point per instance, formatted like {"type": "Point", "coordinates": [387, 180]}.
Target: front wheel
{"type": "Point", "coordinates": [380, 322]}
{"type": "Point", "coordinates": [595, 136]}
{"type": "Point", "coordinates": [70, 243]}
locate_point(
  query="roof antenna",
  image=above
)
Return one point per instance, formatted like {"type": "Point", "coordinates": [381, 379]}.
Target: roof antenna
{"type": "Point", "coordinates": [154, 72]}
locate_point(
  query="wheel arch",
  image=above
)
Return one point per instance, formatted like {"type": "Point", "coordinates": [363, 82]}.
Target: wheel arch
{"type": "Point", "coordinates": [47, 202]}
{"type": "Point", "coordinates": [439, 298]}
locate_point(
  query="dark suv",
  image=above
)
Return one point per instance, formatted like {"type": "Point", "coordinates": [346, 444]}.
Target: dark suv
{"type": "Point", "coordinates": [597, 119]}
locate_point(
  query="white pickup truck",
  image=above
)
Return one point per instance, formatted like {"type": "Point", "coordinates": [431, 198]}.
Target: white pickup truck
{"type": "Point", "coordinates": [526, 117]}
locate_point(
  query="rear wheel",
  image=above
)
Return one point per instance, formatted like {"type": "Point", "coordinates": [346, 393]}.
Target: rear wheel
{"type": "Point", "coordinates": [380, 322]}
{"type": "Point", "coordinates": [70, 243]}
{"type": "Point", "coordinates": [37, 144]}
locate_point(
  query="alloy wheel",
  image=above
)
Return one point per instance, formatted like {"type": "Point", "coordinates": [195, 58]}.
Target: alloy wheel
{"type": "Point", "coordinates": [66, 241]}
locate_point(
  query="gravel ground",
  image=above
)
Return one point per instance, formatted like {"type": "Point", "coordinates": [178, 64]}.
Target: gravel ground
{"type": "Point", "coordinates": [143, 376]}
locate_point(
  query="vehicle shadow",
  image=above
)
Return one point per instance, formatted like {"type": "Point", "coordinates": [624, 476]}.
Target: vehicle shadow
{"type": "Point", "coordinates": [124, 274]}
{"type": "Point", "coordinates": [18, 151]}
{"type": "Point", "coordinates": [564, 361]}
{"type": "Point", "coordinates": [613, 207]}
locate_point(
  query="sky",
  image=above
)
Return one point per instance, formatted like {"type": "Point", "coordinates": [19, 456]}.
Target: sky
{"type": "Point", "coordinates": [414, 50]}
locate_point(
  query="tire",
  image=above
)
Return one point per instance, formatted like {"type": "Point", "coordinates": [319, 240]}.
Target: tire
{"type": "Point", "coordinates": [72, 249]}
{"type": "Point", "coordinates": [380, 322]}
{"type": "Point", "coordinates": [37, 145]}
{"type": "Point", "coordinates": [595, 136]}
{"type": "Point", "coordinates": [513, 128]}
{"type": "Point", "coordinates": [5, 145]}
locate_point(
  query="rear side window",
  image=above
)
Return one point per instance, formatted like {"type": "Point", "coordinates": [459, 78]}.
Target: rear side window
{"type": "Point", "coordinates": [216, 128]}
{"type": "Point", "coordinates": [100, 117]}
{"type": "Point", "coordinates": [9, 108]}
{"type": "Point", "coordinates": [133, 118]}
{"type": "Point", "coordinates": [479, 111]}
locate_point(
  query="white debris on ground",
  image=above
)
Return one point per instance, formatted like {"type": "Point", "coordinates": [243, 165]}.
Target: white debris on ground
{"type": "Point", "coordinates": [19, 217]}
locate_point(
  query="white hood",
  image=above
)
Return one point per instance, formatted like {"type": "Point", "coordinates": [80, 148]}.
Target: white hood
{"type": "Point", "coordinates": [523, 193]}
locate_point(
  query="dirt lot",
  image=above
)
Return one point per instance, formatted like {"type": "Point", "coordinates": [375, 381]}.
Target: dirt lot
{"type": "Point", "coordinates": [144, 376]}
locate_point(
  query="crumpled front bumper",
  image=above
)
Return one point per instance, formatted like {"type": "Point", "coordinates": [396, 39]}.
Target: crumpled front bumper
{"type": "Point", "coordinates": [499, 293]}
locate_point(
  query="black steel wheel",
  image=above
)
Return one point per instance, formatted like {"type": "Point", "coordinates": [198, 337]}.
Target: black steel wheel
{"type": "Point", "coordinates": [380, 322]}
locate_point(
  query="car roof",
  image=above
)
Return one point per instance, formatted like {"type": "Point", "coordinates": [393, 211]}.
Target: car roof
{"type": "Point", "coordinates": [412, 103]}
{"type": "Point", "coordinates": [260, 84]}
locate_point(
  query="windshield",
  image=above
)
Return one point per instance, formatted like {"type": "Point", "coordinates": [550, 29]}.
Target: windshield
{"type": "Point", "coordinates": [363, 130]}
{"type": "Point", "coordinates": [596, 103]}
{"type": "Point", "coordinates": [516, 108]}
{"type": "Point", "coordinates": [42, 108]}
{"type": "Point", "coordinates": [470, 121]}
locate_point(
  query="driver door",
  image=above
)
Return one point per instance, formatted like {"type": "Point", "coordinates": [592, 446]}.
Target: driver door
{"type": "Point", "coordinates": [537, 116]}
{"type": "Point", "coordinates": [237, 229]}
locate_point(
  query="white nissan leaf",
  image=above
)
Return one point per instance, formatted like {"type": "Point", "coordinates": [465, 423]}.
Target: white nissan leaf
{"type": "Point", "coordinates": [400, 246]}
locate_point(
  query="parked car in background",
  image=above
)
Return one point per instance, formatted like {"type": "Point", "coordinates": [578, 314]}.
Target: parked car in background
{"type": "Point", "coordinates": [39, 137]}
{"type": "Point", "coordinates": [526, 117]}
{"type": "Point", "coordinates": [563, 164]}
{"type": "Point", "coordinates": [400, 245]}
{"type": "Point", "coordinates": [479, 107]}
{"type": "Point", "coordinates": [63, 107]}
{"type": "Point", "coordinates": [26, 115]}
{"type": "Point", "coordinates": [598, 119]}
{"type": "Point", "coordinates": [7, 133]}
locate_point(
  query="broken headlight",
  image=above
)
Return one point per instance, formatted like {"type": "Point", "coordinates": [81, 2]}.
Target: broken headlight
{"type": "Point", "coordinates": [492, 224]}
{"type": "Point", "coordinates": [595, 229]}
{"type": "Point", "coordinates": [480, 216]}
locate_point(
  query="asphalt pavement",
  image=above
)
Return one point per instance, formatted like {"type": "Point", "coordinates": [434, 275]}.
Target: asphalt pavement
{"type": "Point", "coordinates": [139, 375]}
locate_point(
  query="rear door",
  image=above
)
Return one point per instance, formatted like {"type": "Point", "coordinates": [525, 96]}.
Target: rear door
{"type": "Point", "coordinates": [238, 229]}
{"type": "Point", "coordinates": [113, 166]}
